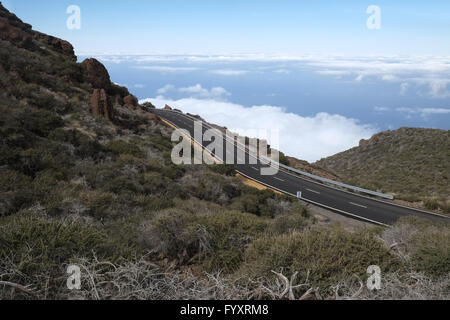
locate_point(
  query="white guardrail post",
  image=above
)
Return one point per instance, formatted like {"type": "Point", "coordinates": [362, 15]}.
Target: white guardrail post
{"type": "Point", "coordinates": [303, 173]}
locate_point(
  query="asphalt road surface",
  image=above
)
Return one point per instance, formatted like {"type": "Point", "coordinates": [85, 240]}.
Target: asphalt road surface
{"type": "Point", "coordinates": [339, 201]}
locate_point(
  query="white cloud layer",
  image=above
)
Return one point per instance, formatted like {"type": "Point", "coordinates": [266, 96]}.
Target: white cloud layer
{"type": "Point", "coordinates": [166, 69]}
{"type": "Point", "coordinates": [423, 112]}
{"type": "Point", "coordinates": [308, 138]}
{"type": "Point", "coordinates": [430, 72]}
{"type": "Point", "coordinates": [228, 72]}
{"type": "Point", "coordinates": [196, 91]}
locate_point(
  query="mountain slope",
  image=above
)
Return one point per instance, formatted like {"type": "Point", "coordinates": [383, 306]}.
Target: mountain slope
{"type": "Point", "coordinates": [413, 163]}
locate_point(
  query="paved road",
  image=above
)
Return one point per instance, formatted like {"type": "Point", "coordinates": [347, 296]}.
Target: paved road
{"type": "Point", "coordinates": [349, 204]}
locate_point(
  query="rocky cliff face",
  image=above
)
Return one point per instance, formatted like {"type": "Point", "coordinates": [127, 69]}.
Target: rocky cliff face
{"type": "Point", "coordinates": [17, 32]}
{"type": "Point", "coordinates": [101, 105]}
{"type": "Point", "coordinates": [12, 29]}
{"type": "Point", "coordinates": [64, 70]}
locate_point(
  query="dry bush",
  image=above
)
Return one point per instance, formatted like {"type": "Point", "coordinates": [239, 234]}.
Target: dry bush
{"type": "Point", "coordinates": [397, 286]}
{"type": "Point", "coordinates": [422, 245]}
{"type": "Point", "coordinates": [140, 279]}
{"type": "Point", "coordinates": [143, 280]}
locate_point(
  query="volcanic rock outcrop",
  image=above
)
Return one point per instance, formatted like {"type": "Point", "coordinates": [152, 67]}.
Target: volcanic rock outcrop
{"type": "Point", "coordinates": [130, 102]}
{"type": "Point", "coordinates": [97, 74]}
{"type": "Point", "coordinates": [101, 105]}
{"type": "Point", "coordinates": [106, 96]}
{"type": "Point", "coordinates": [20, 34]}
{"type": "Point", "coordinates": [62, 46]}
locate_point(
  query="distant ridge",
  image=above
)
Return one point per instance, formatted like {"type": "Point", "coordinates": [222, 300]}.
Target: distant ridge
{"type": "Point", "coordinates": [413, 163]}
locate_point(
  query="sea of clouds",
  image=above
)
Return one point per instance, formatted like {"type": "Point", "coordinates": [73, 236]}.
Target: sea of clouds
{"type": "Point", "coordinates": [307, 138]}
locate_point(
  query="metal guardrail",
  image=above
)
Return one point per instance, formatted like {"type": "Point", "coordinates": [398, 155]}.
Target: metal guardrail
{"type": "Point", "coordinates": [306, 174]}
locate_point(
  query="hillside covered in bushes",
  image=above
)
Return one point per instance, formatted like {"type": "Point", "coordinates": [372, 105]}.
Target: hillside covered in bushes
{"type": "Point", "coordinates": [412, 163]}
{"type": "Point", "coordinates": [86, 178]}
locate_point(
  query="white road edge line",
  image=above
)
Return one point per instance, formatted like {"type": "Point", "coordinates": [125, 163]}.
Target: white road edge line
{"type": "Point", "coordinates": [318, 204]}
{"type": "Point", "coordinates": [358, 205]}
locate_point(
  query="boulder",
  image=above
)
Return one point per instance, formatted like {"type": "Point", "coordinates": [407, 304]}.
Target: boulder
{"type": "Point", "coordinates": [101, 105]}
{"type": "Point", "coordinates": [130, 102]}
{"type": "Point", "coordinates": [97, 74]}
{"type": "Point", "coordinates": [167, 107]}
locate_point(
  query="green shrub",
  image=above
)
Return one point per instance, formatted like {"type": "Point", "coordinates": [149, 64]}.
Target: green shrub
{"type": "Point", "coordinates": [34, 160]}
{"type": "Point", "coordinates": [173, 233]}
{"type": "Point", "coordinates": [154, 203]}
{"type": "Point", "coordinates": [122, 184]}
{"type": "Point", "coordinates": [173, 172]}
{"type": "Point", "coordinates": [45, 101]}
{"type": "Point", "coordinates": [218, 239]}
{"type": "Point", "coordinates": [73, 71]}
{"type": "Point", "coordinates": [283, 159]}
{"type": "Point", "coordinates": [39, 249]}
{"type": "Point", "coordinates": [230, 233]}
{"type": "Point", "coordinates": [153, 182]}
{"type": "Point", "coordinates": [99, 203]}
{"type": "Point", "coordinates": [256, 202]}
{"type": "Point", "coordinates": [15, 193]}
{"type": "Point", "coordinates": [161, 144]}
{"type": "Point", "coordinates": [119, 147]}
{"type": "Point", "coordinates": [248, 203]}
{"type": "Point", "coordinates": [429, 246]}
{"type": "Point", "coordinates": [224, 169]}
{"type": "Point", "coordinates": [330, 254]}
{"type": "Point", "coordinates": [118, 90]}
{"type": "Point", "coordinates": [40, 122]}
{"type": "Point", "coordinates": [433, 254]}
{"type": "Point", "coordinates": [84, 145]}
{"type": "Point", "coordinates": [287, 223]}
{"type": "Point", "coordinates": [232, 191]}
{"type": "Point", "coordinates": [149, 105]}
{"type": "Point", "coordinates": [11, 180]}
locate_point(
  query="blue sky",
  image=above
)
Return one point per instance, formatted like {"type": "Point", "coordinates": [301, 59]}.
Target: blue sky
{"type": "Point", "coordinates": [231, 26]}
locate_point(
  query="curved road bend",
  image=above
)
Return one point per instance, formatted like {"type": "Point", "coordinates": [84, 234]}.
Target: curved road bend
{"type": "Point", "coordinates": [350, 204]}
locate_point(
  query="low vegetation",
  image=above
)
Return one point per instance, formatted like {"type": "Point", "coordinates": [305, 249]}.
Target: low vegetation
{"type": "Point", "coordinates": [412, 163]}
